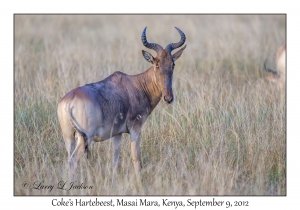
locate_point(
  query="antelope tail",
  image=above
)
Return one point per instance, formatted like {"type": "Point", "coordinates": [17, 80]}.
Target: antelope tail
{"type": "Point", "coordinates": [75, 125]}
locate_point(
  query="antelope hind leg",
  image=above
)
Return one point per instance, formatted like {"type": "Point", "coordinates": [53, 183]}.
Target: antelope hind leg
{"type": "Point", "coordinates": [77, 153]}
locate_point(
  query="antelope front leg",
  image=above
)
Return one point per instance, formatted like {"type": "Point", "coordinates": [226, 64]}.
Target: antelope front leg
{"type": "Point", "coordinates": [116, 143]}
{"type": "Point", "coordinates": [136, 151]}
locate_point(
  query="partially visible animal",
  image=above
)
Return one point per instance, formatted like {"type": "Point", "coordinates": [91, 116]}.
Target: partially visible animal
{"type": "Point", "coordinates": [278, 76]}
{"type": "Point", "coordinates": [118, 104]}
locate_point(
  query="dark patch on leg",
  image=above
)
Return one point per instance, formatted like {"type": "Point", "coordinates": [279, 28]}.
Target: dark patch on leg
{"type": "Point", "coordinates": [87, 152]}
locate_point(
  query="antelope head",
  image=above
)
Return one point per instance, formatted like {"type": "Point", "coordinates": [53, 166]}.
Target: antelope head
{"type": "Point", "coordinates": [163, 64]}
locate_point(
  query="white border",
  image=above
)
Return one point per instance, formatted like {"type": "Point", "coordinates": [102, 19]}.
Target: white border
{"type": "Point", "coordinates": [6, 122]}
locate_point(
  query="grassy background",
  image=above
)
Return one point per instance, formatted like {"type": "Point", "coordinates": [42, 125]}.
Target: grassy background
{"type": "Point", "coordinates": [225, 133]}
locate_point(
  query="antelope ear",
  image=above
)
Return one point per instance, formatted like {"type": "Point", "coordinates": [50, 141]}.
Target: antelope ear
{"type": "Point", "coordinates": [148, 56]}
{"type": "Point", "coordinates": [178, 53]}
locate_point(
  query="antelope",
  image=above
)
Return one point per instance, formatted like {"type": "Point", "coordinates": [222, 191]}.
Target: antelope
{"type": "Point", "coordinates": [118, 104]}
{"type": "Point", "coordinates": [278, 75]}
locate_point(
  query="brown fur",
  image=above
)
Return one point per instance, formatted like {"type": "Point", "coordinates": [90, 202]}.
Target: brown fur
{"type": "Point", "coordinates": [278, 76]}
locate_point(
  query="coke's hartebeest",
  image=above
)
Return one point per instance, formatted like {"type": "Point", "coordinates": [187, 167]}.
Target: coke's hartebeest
{"type": "Point", "coordinates": [117, 104]}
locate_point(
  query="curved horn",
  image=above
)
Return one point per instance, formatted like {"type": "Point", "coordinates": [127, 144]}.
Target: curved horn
{"type": "Point", "coordinates": [173, 46]}
{"type": "Point", "coordinates": [152, 46]}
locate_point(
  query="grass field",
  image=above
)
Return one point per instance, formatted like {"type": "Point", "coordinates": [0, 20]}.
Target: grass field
{"type": "Point", "coordinates": [224, 134]}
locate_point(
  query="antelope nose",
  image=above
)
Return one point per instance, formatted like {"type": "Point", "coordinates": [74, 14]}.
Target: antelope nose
{"type": "Point", "coordinates": [168, 99]}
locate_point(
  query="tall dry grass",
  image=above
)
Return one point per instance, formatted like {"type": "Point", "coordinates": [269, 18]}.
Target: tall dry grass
{"type": "Point", "coordinates": [225, 133]}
